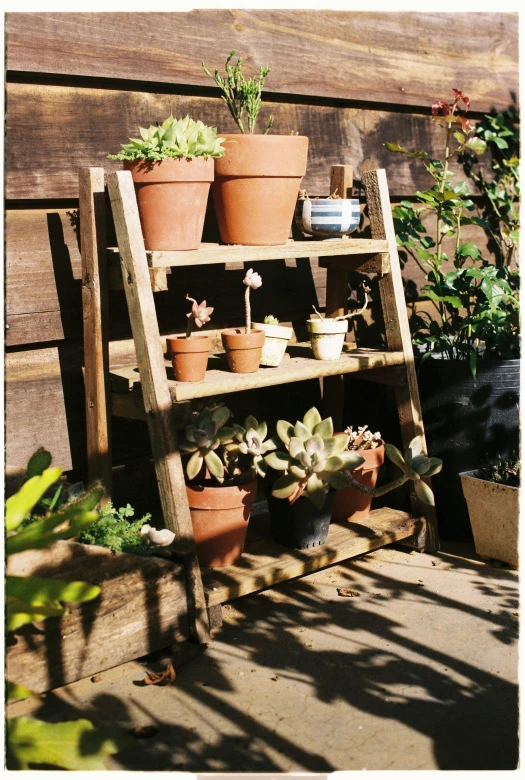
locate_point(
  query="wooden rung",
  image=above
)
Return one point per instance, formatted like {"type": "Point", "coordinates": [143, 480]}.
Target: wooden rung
{"type": "Point", "coordinates": [265, 563]}
{"type": "Point", "coordinates": [365, 264]}
{"type": "Point", "coordinates": [301, 365]}
{"type": "Point", "coordinates": [209, 254]}
{"type": "Point", "coordinates": [130, 406]}
{"type": "Point", "coordinates": [395, 376]}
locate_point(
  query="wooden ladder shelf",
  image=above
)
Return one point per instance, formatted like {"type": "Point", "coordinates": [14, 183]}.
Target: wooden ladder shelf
{"type": "Point", "coordinates": [147, 390]}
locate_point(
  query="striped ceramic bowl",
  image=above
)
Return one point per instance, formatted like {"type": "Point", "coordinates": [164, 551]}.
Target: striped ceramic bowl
{"type": "Point", "coordinates": [327, 217]}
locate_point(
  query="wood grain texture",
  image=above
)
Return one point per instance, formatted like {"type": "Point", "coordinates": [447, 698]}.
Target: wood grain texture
{"type": "Point", "coordinates": [97, 121]}
{"type": "Point", "coordinates": [266, 563]}
{"type": "Point", "coordinates": [398, 331]}
{"type": "Point", "coordinates": [142, 608]}
{"type": "Point", "coordinates": [398, 58]}
{"type": "Point", "coordinates": [96, 325]}
{"type": "Point", "coordinates": [156, 395]}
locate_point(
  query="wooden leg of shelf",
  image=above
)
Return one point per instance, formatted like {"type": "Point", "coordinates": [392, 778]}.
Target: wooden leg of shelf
{"type": "Point", "coordinates": [215, 618]}
{"type": "Point", "coordinates": [336, 305]}
{"type": "Point", "coordinates": [95, 316]}
{"type": "Point", "coordinates": [397, 329]}
{"type": "Point", "coordinates": [155, 390]}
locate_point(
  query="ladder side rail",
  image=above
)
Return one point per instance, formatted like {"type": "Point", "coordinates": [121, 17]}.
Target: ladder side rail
{"type": "Point", "coordinates": [155, 391]}
{"type": "Point", "coordinates": [95, 310]}
{"type": "Point", "coordinates": [397, 329]}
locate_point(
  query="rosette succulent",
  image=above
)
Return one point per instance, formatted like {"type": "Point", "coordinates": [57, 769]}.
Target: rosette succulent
{"type": "Point", "coordinates": [177, 138]}
{"type": "Point", "coordinates": [199, 315]}
{"type": "Point", "coordinates": [251, 440]}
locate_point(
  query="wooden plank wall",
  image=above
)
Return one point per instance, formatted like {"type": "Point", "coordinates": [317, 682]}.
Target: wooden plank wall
{"type": "Point", "coordinates": [78, 84]}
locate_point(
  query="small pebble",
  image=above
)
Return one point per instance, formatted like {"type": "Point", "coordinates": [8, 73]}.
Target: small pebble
{"type": "Point", "coordinates": [96, 678]}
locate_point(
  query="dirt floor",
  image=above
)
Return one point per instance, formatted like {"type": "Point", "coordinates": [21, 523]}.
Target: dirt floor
{"type": "Point", "coordinates": [394, 660]}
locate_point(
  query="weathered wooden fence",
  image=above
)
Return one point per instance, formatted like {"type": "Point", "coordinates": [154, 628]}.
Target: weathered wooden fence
{"type": "Point", "coordinates": [79, 84]}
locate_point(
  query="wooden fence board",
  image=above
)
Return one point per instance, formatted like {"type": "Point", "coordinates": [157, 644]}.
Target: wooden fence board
{"type": "Point", "coordinates": [97, 121]}
{"type": "Point", "coordinates": [398, 58]}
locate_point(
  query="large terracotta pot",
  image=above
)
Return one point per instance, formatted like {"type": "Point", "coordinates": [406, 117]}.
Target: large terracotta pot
{"type": "Point", "coordinates": [243, 350]}
{"type": "Point", "coordinates": [172, 196]}
{"type": "Point", "coordinates": [256, 187]}
{"type": "Point", "coordinates": [189, 356]}
{"type": "Point", "coordinates": [349, 504]}
{"type": "Point", "coordinates": [220, 515]}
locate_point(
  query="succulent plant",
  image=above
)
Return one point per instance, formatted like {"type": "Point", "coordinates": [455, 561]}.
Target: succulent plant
{"type": "Point", "coordinates": [253, 281]}
{"type": "Point", "coordinates": [239, 93]}
{"type": "Point", "coordinates": [202, 439]}
{"type": "Point", "coordinates": [199, 315]}
{"type": "Point", "coordinates": [251, 440]}
{"type": "Point", "coordinates": [177, 138]}
{"type": "Point", "coordinates": [270, 320]}
{"type": "Point", "coordinates": [315, 460]}
{"type": "Point", "coordinates": [363, 439]}
{"type": "Point", "coordinates": [504, 471]}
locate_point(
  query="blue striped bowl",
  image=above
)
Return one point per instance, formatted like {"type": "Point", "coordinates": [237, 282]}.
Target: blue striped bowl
{"type": "Point", "coordinates": [326, 217]}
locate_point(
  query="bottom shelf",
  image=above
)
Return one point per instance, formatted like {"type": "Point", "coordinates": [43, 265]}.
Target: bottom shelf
{"type": "Point", "coordinates": [265, 563]}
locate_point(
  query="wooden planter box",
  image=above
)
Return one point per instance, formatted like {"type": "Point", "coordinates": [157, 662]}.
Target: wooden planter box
{"type": "Point", "coordinates": [142, 608]}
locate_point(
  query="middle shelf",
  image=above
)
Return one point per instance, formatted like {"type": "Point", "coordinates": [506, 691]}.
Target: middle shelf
{"type": "Point", "coordinates": [295, 367]}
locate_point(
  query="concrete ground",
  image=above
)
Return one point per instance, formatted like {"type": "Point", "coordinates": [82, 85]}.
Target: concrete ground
{"type": "Point", "coordinates": [415, 667]}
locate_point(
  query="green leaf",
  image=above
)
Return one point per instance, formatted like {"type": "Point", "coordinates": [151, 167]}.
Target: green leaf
{"type": "Point", "coordinates": [251, 423]}
{"type": "Point", "coordinates": [424, 493]}
{"type": "Point", "coordinates": [271, 444]}
{"type": "Point", "coordinates": [352, 460]}
{"type": "Point", "coordinates": [19, 612]}
{"type": "Point", "coordinates": [393, 147]}
{"type": "Point", "coordinates": [436, 464]}
{"type": "Point", "coordinates": [316, 491]}
{"type": "Point", "coordinates": [215, 465]}
{"type": "Point", "coordinates": [261, 431]}
{"type": "Point", "coordinates": [395, 456]}
{"type": "Point", "coordinates": [278, 460]}
{"type": "Point", "coordinates": [340, 443]}
{"type": "Point", "coordinates": [42, 591]}
{"type": "Point", "coordinates": [473, 363]}
{"type": "Point", "coordinates": [459, 137]}
{"type": "Point", "coordinates": [260, 466]}
{"type": "Point", "coordinates": [284, 431]}
{"type": "Point", "coordinates": [311, 419]}
{"type": "Point", "coordinates": [18, 506]}
{"type": "Point", "coordinates": [335, 463]}
{"type": "Point", "coordinates": [468, 250]}
{"type": "Point", "coordinates": [420, 464]}
{"type": "Point", "coordinates": [284, 486]}
{"type": "Point", "coordinates": [336, 479]}
{"type": "Point", "coordinates": [37, 535]}
{"type": "Point", "coordinates": [17, 692]}
{"type": "Point", "coordinates": [220, 416]}
{"type": "Point", "coordinates": [194, 465]}
{"type": "Point", "coordinates": [38, 462]}
{"type": "Point", "coordinates": [300, 431]}
{"type": "Point", "coordinates": [477, 145]}
{"type": "Point", "coordinates": [414, 448]}
{"type": "Point", "coordinates": [74, 745]}
{"type": "Point", "coordinates": [325, 428]}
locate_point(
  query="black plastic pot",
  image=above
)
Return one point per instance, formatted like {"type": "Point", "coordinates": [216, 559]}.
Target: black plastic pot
{"type": "Point", "coordinates": [466, 420]}
{"type": "Point", "coordinates": [301, 524]}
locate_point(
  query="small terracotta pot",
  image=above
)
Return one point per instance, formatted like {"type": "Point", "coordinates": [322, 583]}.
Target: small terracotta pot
{"type": "Point", "coordinates": [172, 196]}
{"type": "Point", "coordinates": [220, 516]}
{"type": "Point", "coordinates": [351, 505]}
{"type": "Point", "coordinates": [189, 356]}
{"type": "Point", "coordinates": [243, 350]}
{"type": "Point", "coordinates": [256, 185]}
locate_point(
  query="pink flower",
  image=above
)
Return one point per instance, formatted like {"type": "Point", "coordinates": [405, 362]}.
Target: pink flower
{"type": "Point", "coordinates": [200, 312]}
{"type": "Point", "coordinates": [252, 279]}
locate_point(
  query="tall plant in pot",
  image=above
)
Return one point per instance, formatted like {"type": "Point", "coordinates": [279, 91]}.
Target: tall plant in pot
{"type": "Point", "coordinates": [317, 463]}
{"type": "Point", "coordinates": [469, 346]}
{"type": "Point", "coordinates": [189, 353]}
{"type": "Point", "coordinates": [172, 168]}
{"type": "Point", "coordinates": [244, 345]}
{"type": "Point", "coordinates": [257, 180]}
{"type": "Point", "coordinates": [222, 463]}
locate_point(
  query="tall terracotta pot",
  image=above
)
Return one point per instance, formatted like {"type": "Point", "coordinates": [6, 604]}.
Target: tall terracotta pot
{"type": "Point", "coordinates": [349, 504]}
{"type": "Point", "coordinates": [172, 196]}
{"type": "Point", "coordinates": [220, 515]}
{"type": "Point", "coordinates": [256, 187]}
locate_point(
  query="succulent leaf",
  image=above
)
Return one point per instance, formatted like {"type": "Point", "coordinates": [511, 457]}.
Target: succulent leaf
{"type": "Point", "coordinates": [436, 464]}
{"type": "Point", "coordinates": [311, 419]}
{"type": "Point", "coordinates": [314, 445]}
{"type": "Point", "coordinates": [251, 423]}
{"type": "Point", "coordinates": [424, 493]}
{"type": "Point", "coordinates": [335, 463]}
{"type": "Point", "coordinates": [300, 431]}
{"type": "Point", "coordinates": [278, 460]}
{"type": "Point", "coordinates": [220, 416]}
{"type": "Point", "coordinates": [420, 464]}
{"type": "Point", "coordinates": [285, 431]}
{"type": "Point", "coordinates": [325, 428]}
{"type": "Point", "coordinates": [284, 486]}
{"type": "Point", "coordinates": [336, 479]}
{"type": "Point", "coordinates": [316, 490]}
{"type": "Point", "coordinates": [194, 465]}
{"type": "Point", "coordinates": [395, 456]}
{"type": "Point", "coordinates": [352, 460]}
{"type": "Point", "coordinates": [215, 465]}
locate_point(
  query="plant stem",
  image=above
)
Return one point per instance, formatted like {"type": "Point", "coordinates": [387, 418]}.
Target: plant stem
{"type": "Point", "coordinates": [247, 309]}
{"type": "Point", "coordinates": [189, 327]}
{"type": "Point", "coordinates": [380, 491]}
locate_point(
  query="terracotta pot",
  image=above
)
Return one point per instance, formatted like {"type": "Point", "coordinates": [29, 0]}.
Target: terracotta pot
{"type": "Point", "coordinates": [327, 337]}
{"type": "Point", "coordinates": [189, 356]}
{"type": "Point", "coordinates": [256, 186]}
{"type": "Point", "coordinates": [172, 196]}
{"type": "Point", "coordinates": [219, 516]}
{"type": "Point", "coordinates": [351, 505]}
{"type": "Point", "coordinates": [243, 350]}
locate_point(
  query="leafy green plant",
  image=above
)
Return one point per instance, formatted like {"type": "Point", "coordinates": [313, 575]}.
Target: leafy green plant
{"type": "Point", "coordinates": [504, 471]}
{"type": "Point", "coordinates": [476, 301]}
{"type": "Point", "coordinates": [240, 93]}
{"type": "Point", "coordinates": [72, 745]}
{"type": "Point", "coordinates": [315, 460]}
{"type": "Point", "coordinates": [232, 454]}
{"type": "Point", "coordinates": [177, 138]}
{"type": "Point", "coordinates": [119, 532]}
{"type": "Point", "coordinates": [270, 320]}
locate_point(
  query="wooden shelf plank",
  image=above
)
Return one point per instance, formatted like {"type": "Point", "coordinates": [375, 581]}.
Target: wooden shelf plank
{"type": "Point", "coordinates": [265, 563]}
{"type": "Point", "coordinates": [209, 254]}
{"type": "Point", "coordinates": [298, 366]}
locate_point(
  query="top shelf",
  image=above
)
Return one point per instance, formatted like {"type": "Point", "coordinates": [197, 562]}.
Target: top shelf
{"type": "Point", "coordinates": [209, 254]}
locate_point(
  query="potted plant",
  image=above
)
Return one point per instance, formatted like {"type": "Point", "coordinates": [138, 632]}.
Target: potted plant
{"type": "Point", "coordinates": [222, 465]}
{"type": "Point", "coordinates": [243, 345]}
{"type": "Point", "coordinates": [492, 495]}
{"type": "Point", "coordinates": [316, 463]}
{"type": "Point", "coordinates": [350, 504]}
{"type": "Point", "coordinates": [468, 347]}
{"type": "Point", "coordinates": [172, 166]}
{"type": "Point", "coordinates": [257, 180]}
{"type": "Point", "coordinates": [331, 217]}
{"type": "Point", "coordinates": [327, 334]}
{"type": "Point", "coordinates": [189, 353]}
{"type": "Point", "coordinates": [275, 342]}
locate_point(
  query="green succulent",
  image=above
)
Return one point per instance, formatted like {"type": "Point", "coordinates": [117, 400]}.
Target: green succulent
{"type": "Point", "coordinates": [314, 459]}
{"type": "Point", "coordinates": [177, 138]}
{"type": "Point", "coordinates": [250, 440]}
{"type": "Point", "coordinates": [203, 437]}
{"type": "Point", "coordinates": [271, 320]}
